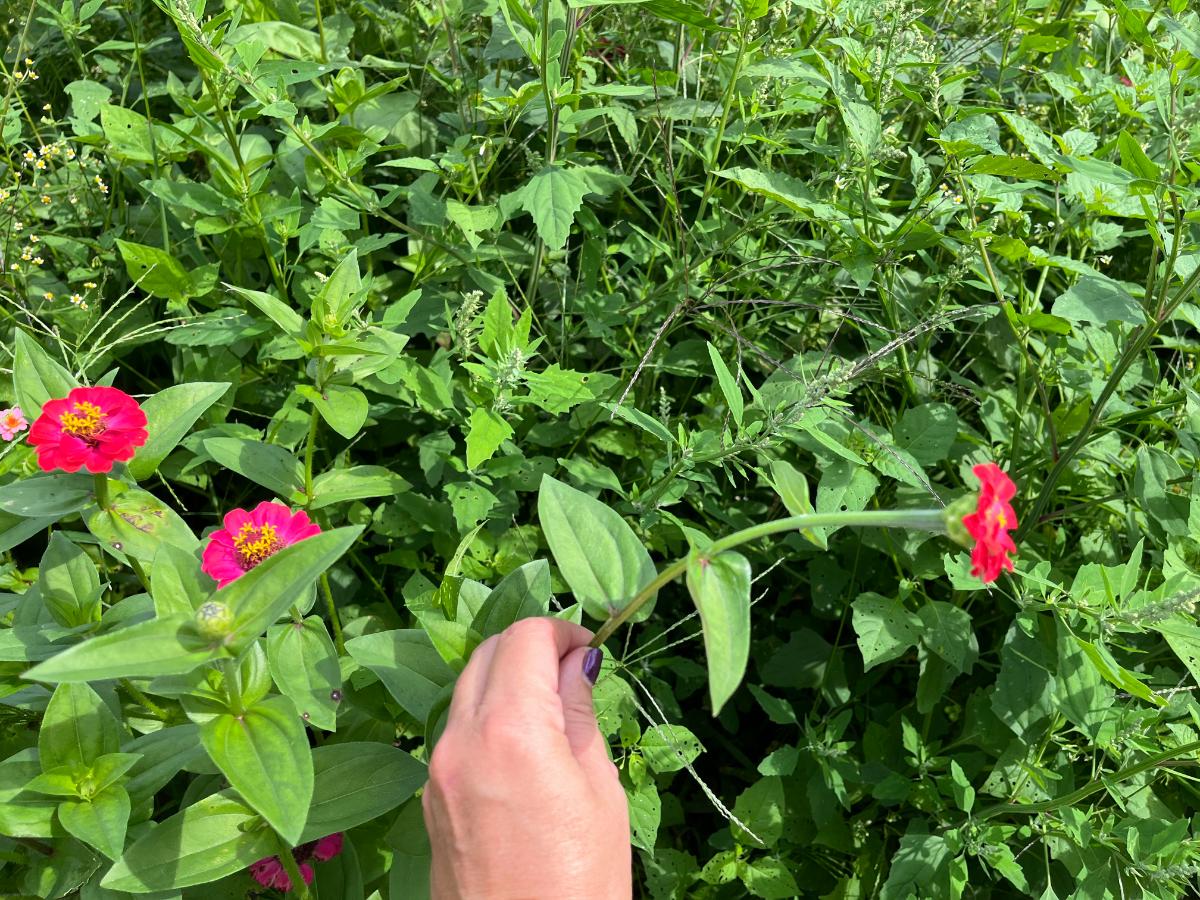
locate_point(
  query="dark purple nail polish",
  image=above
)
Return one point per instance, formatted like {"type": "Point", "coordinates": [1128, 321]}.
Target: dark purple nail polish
{"type": "Point", "coordinates": [591, 664]}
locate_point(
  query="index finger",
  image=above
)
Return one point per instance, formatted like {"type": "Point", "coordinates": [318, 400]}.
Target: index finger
{"type": "Point", "coordinates": [524, 666]}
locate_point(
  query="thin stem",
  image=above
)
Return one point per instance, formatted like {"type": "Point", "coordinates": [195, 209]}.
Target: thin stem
{"type": "Point", "coordinates": [919, 519]}
{"type": "Point", "coordinates": [293, 870]}
{"type": "Point", "coordinates": [308, 457]}
{"type": "Point", "coordinates": [1093, 787]}
{"type": "Point", "coordinates": [335, 623]}
{"type": "Point", "coordinates": [101, 481]}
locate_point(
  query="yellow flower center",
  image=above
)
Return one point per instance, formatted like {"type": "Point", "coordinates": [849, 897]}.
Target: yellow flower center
{"type": "Point", "coordinates": [86, 423]}
{"type": "Point", "coordinates": [254, 543]}
{"type": "Point", "coordinates": [1001, 520]}
{"type": "Point", "coordinates": [11, 422]}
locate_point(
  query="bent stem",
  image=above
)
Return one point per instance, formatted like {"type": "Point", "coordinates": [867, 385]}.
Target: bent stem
{"type": "Point", "coordinates": [917, 519]}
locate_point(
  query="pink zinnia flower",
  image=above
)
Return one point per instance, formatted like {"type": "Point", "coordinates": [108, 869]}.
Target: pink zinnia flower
{"type": "Point", "coordinates": [991, 523]}
{"type": "Point", "coordinates": [12, 422]}
{"type": "Point", "coordinates": [250, 537]}
{"type": "Point", "coordinates": [91, 427]}
{"type": "Point", "coordinates": [269, 872]}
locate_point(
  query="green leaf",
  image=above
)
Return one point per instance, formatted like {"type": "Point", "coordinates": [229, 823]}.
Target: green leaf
{"type": "Point", "coordinates": [720, 588]}
{"type": "Point", "coordinates": [1025, 683]}
{"type": "Point", "coordinates": [138, 524]}
{"type": "Point", "coordinates": [784, 189]}
{"type": "Point", "coordinates": [769, 878]}
{"type": "Point", "coordinates": [69, 583]}
{"type": "Point", "coordinates": [77, 729]}
{"type": "Point", "coordinates": [408, 665]}
{"type": "Point", "coordinates": [304, 665]}
{"type": "Point", "coordinates": [1097, 300]}
{"type": "Point", "coordinates": [1134, 158]}
{"type": "Point", "coordinates": [264, 754]}
{"type": "Point", "coordinates": [54, 495]}
{"type": "Point", "coordinates": [158, 647]}
{"type": "Point", "coordinates": [642, 421]}
{"type": "Point", "coordinates": [885, 629]}
{"type": "Point", "coordinates": [340, 295]}
{"type": "Point", "coordinates": [155, 271]}
{"type": "Point", "coordinates": [598, 554]}
{"type": "Point", "coordinates": [843, 486]}
{"type": "Point", "coordinates": [356, 783]}
{"type": "Point", "coordinates": [792, 487]}
{"type": "Point", "coordinates": [262, 595]}
{"type": "Point", "coordinates": [177, 583]}
{"type": "Point", "coordinates": [169, 415]}
{"type": "Point", "coordinates": [761, 808]}
{"type": "Point", "coordinates": [553, 196]}
{"type": "Point", "coordinates": [22, 812]}
{"type": "Point", "coordinates": [100, 821]}
{"type": "Point", "coordinates": [36, 376]}
{"type": "Point", "coordinates": [207, 841]}
{"type": "Point", "coordinates": [669, 748]}
{"type": "Point", "coordinates": [356, 483]}
{"type": "Point", "coordinates": [487, 432]}
{"type": "Point", "coordinates": [1011, 167]}
{"type": "Point", "coordinates": [267, 464]}
{"type": "Point", "coordinates": [287, 319]}
{"type": "Point", "coordinates": [344, 408]}
{"type": "Point", "coordinates": [728, 385]}
{"type": "Point", "coordinates": [163, 754]}
{"type": "Point", "coordinates": [864, 128]}
{"type": "Point", "coordinates": [927, 432]}
{"type": "Point", "coordinates": [522, 593]}
{"type": "Point", "coordinates": [947, 632]}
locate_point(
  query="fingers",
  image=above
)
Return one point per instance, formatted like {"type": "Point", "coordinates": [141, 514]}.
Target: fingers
{"type": "Point", "coordinates": [468, 690]}
{"type": "Point", "coordinates": [524, 669]}
{"type": "Point", "coordinates": [579, 717]}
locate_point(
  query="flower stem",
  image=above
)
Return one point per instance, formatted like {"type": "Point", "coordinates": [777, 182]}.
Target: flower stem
{"type": "Point", "coordinates": [335, 623]}
{"type": "Point", "coordinates": [293, 870]}
{"type": "Point", "coordinates": [137, 694]}
{"type": "Point", "coordinates": [101, 480]}
{"type": "Point", "coordinates": [917, 519]}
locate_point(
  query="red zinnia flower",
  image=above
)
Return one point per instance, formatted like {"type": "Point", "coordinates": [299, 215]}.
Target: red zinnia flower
{"type": "Point", "coordinates": [269, 871]}
{"type": "Point", "coordinates": [991, 523]}
{"type": "Point", "coordinates": [250, 537]}
{"type": "Point", "coordinates": [91, 427]}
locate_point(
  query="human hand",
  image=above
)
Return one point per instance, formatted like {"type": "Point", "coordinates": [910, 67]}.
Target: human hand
{"type": "Point", "coordinates": [522, 800]}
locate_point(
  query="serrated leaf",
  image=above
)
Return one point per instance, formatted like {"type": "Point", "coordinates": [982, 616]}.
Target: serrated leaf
{"type": "Point", "coordinates": [552, 197]}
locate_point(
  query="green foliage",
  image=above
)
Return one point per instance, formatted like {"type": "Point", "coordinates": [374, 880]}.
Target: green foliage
{"type": "Point", "coordinates": [528, 306]}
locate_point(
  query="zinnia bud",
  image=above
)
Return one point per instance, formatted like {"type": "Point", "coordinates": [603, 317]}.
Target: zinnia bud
{"type": "Point", "coordinates": [214, 620]}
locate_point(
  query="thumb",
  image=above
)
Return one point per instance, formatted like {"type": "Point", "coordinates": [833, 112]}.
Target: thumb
{"type": "Point", "coordinates": [575, 674]}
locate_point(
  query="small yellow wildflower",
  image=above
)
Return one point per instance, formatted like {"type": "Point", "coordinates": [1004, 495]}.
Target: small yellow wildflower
{"type": "Point", "coordinates": [49, 295]}
{"type": "Point", "coordinates": [90, 285]}
{"type": "Point", "coordinates": [45, 199]}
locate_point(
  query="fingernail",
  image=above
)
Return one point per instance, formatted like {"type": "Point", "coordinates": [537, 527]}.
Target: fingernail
{"type": "Point", "coordinates": [591, 664]}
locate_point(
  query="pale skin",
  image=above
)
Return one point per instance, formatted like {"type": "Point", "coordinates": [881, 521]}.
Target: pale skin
{"type": "Point", "coordinates": [523, 802]}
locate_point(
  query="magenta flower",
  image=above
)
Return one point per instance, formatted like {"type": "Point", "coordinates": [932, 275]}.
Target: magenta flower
{"type": "Point", "coordinates": [270, 873]}
{"type": "Point", "coordinates": [250, 537]}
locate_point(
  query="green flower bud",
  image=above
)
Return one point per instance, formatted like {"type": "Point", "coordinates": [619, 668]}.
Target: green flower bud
{"type": "Point", "coordinates": [214, 619]}
{"type": "Point", "coordinates": [953, 515]}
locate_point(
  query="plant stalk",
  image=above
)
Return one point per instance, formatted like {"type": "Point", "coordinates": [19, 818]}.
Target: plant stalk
{"type": "Point", "coordinates": [919, 519]}
{"type": "Point", "coordinates": [293, 871]}
{"type": "Point", "coordinates": [101, 481]}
